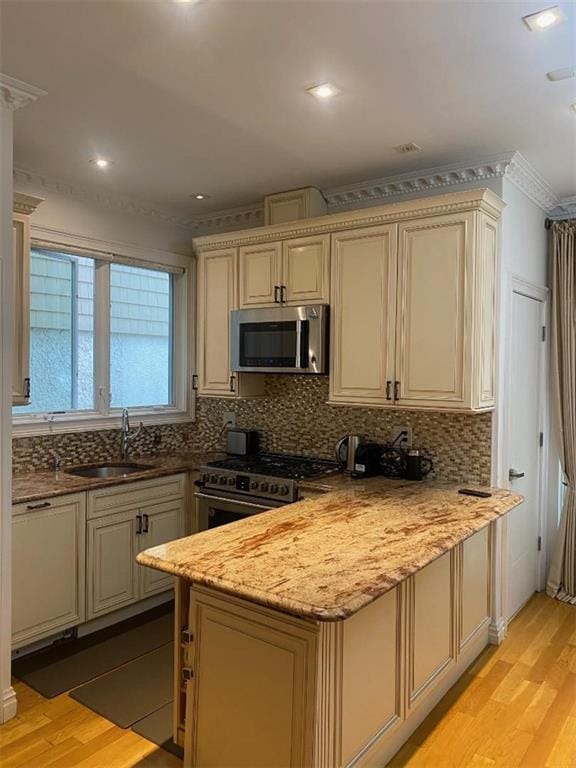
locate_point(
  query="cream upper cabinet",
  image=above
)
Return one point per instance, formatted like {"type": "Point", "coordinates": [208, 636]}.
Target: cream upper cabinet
{"type": "Point", "coordinates": [217, 297]}
{"type": "Point", "coordinates": [260, 274]}
{"type": "Point", "coordinates": [306, 270]}
{"type": "Point", "coordinates": [363, 305]}
{"type": "Point", "coordinates": [412, 289]}
{"type": "Point", "coordinates": [292, 272]}
{"type": "Point", "coordinates": [435, 305]}
{"type": "Point", "coordinates": [24, 206]}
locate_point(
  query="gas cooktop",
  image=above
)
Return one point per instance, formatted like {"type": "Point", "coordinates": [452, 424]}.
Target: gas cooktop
{"type": "Point", "coordinates": [271, 476]}
{"type": "Point", "coordinates": [277, 465]}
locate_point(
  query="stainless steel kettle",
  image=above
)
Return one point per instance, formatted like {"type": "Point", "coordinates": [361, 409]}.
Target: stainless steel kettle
{"type": "Point", "coordinates": [346, 449]}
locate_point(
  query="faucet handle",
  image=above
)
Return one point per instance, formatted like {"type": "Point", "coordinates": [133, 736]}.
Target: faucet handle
{"type": "Point", "coordinates": [56, 461]}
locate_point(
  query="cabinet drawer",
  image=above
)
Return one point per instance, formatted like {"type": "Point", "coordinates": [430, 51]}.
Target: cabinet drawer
{"type": "Point", "coordinates": [108, 500]}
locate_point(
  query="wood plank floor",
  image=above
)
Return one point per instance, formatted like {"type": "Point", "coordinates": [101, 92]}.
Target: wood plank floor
{"type": "Point", "coordinates": [516, 706]}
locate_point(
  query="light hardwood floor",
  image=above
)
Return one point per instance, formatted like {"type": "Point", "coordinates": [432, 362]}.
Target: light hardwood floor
{"type": "Point", "coordinates": [516, 706]}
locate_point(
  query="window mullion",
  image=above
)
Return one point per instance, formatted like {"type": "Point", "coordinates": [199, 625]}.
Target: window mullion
{"type": "Point", "coordinates": [102, 394]}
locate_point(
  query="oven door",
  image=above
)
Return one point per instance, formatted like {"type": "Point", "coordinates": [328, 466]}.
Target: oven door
{"type": "Point", "coordinates": [214, 511]}
{"type": "Point", "coordinates": [287, 340]}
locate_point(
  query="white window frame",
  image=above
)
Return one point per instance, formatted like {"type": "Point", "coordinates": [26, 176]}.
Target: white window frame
{"type": "Point", "coordinates": [103, 416]}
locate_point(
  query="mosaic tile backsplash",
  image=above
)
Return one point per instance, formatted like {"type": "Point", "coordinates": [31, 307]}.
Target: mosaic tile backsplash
{"type": "Point", "coordinates": [293, 417]}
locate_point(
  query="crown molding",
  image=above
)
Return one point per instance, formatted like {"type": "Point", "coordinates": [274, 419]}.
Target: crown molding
{"type": "Point", "coordinates": [112, 202]}
{"type": "Point", "coordinates": [242, 217]}
{"type": "Point", "coordinates": [512, 166]}
{"type": "Point", "coordinates": [566, 208]}
{"type": "Point", "coordinates": [479, 199]}
{"type": "Point", "coordinates": [25, 204]}
{"type": "Point", "coordinates": [15, 94]}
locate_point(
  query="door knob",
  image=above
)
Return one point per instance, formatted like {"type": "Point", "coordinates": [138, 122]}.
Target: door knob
{"type": "Point", "coordinates": [513, 474]}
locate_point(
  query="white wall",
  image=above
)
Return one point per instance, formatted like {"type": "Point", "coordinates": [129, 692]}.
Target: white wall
{"type": "Point", "coordinates": [85, 217]}
{"type": "Point", "coordinates": [524, 238]}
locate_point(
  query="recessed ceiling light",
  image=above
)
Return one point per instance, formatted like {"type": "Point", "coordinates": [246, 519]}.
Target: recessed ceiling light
{"type": "Point", "coordinates": [200, 196]}
{"type": "Point", "coordinates": [573, 107]}
{"type": "Point", "coordinates": [561, 74]}
{"type": "Point", "coordinates": [323, 91]}
{"type": "Point", "coordinates": [101, 162]}
{"type": "Point", "coordinates": [545, 19]}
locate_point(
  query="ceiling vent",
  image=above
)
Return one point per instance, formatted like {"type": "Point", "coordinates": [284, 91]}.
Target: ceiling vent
{"type": "Point", "coordinates": [406, 149]}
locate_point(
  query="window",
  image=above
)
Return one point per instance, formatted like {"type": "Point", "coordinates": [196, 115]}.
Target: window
{"type": "Point", "coordinates": [101, 338]}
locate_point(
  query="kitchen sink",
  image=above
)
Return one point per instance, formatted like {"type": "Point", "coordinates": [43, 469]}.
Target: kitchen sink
{"type": "Point", "coordinates": [114, 469]}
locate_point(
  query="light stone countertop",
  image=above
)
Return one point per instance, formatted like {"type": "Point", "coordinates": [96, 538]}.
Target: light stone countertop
{"type": "Point", "coordinates": [327, 557]}
{"type": "Point", "coordinates": [34, 486]}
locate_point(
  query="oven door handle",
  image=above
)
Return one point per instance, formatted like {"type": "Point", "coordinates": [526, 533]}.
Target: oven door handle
{"type": "Point", "coordinates": [247, 504]}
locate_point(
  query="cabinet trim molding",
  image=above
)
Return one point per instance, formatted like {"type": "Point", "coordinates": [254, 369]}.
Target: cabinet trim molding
{"type": "Point", "coordinates": [482, 199]}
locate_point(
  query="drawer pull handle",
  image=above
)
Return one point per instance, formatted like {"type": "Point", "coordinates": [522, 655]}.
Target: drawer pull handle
{"type": "Point", "coordinates": [42, 505]}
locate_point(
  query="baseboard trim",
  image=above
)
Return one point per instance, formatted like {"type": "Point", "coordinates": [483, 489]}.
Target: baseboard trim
{"type": "Point", "coordinates": [497, 632]}
{"type": "Point", "coordinates": [9, 705]}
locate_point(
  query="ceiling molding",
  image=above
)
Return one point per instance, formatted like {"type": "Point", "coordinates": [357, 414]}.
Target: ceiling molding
{"type": "Point", "coordinates": [106, 200]}
{"type": "Point", "coordinates": [230, 218]}
{"type": "Point", "coordinates": [510, 165]}
{"type": "Point", "coordinates": [566, 208]}
{"type": "Point", "coordinates": [15, 94]}
{"type": "Point", "coordinates": [524, 176]}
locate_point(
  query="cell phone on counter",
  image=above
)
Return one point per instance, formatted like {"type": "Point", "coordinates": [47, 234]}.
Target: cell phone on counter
{"type": "Point", "coordinates": [475, 492]}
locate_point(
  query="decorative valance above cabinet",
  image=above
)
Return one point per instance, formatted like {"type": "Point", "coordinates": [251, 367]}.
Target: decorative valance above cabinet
{"type": "Point", "coordinates": [411, 287]}
{"type": "Point", "coordinates": [23, 207]}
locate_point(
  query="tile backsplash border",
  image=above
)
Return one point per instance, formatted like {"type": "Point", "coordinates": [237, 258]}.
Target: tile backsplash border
{"type": "Point", "coordinates": [293, 417]}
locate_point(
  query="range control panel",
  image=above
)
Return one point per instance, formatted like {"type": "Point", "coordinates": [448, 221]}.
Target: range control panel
{"type": "Point", "coordinates": [260, 486]}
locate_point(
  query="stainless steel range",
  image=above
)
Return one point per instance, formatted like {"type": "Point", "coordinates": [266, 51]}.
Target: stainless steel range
{"type": "Point", "coordinates": [234, 488]}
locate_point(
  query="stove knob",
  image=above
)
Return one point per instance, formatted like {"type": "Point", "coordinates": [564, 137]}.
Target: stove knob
{"type": "Point", "coordinates": [254, 485]}
{"type": "Point", "coordinates": [231, 481]}
{"type": "Point", "coordinates": [205, 477]}
{"type": "Point", "coordinates": [213, 478]}
{"type": "Point", "coordinates": [284, 490]}
{"type": "Point", "coordinates": [273, 488]}
{"type": "Point", "coordinates": [222, 480]}
{"type": "Point", "coordinates": [264, 486]}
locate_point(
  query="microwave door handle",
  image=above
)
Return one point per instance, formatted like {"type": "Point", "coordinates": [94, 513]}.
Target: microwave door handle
{"type": "Point", "coordinates": [299, 344]}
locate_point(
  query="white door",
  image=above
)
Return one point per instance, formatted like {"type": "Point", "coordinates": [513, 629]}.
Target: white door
{"type": "Point", "coordinates": [524, 407]}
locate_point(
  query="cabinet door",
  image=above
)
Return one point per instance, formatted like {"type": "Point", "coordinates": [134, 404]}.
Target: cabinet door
{"type": "Point", "coordinates": [259, 274]}
{"type": "Point", "coordinates": [216, 298]}
{"type": "Point", "coordinates": [431, 630]}
{"type": "Point", "coordinates": [161, 523]}
{"type": "Point", "coordinates": [49, 568]}
{"type": "Point", "coordinates": [474, 611]}
{"type": "Point", "coordinates": [305, 269]}
{"type": "Point", "coordinates": [21, 335]}
{"type": "Point", "coordinates": [433, 341]}
{"type": "Point", "coordinates": [112, 567]}
{"type": "Point", "coordinates": [363, 291]}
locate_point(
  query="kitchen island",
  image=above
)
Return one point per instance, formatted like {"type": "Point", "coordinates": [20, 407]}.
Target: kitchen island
{"type": "Point", "coordinates": [322, 633]}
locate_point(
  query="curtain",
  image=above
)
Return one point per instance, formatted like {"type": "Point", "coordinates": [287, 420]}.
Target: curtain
{"type": "Point", "coordinates": [562, 575]}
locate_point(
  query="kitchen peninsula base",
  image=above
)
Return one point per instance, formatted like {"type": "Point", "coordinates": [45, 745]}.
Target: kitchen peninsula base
{"type": "Point", "coordinates": [259, 687]}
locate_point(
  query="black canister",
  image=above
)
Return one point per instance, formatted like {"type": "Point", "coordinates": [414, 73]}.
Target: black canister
{"type": "Point", "coordinates": [416, 465]}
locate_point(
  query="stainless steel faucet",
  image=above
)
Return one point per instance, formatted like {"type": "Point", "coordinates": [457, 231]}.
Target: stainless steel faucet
{"type": "Point", "coordinates": [56, 461]}
{"type": "Point", "coordinates": [127, 434]}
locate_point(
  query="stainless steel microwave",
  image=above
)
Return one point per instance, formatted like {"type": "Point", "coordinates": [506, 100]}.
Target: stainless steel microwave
{"type": "Point", "coordinates": [280, 339]}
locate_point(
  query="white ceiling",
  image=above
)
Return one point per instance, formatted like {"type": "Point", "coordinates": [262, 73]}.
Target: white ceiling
{"type": "Point", "coordinates": [211, 98]}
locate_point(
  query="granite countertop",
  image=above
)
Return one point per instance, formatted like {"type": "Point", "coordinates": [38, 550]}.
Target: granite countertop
{"type": "Point", "coordinates": [327, 557]}
{"type": "Point", "coordinates": [33, 486]}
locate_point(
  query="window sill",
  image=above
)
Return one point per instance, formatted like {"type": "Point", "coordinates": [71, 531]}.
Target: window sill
{"type": "Point", "coordinates": [92, 422]}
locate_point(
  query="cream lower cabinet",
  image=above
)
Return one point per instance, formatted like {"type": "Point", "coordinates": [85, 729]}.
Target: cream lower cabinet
{"type": "Point", "coordinates": [291, 272]}
{"type": "Point", "coordinates": [217, 297]}
{"type": "Point", "coordinates": [413, 314]}
{"type": "Point", "coordinates": [24, 206]}
{"type": "Point", "coordinates": [124, 521]}
{"type": "Point", "coordinates": [48, 567]}
{"type": "Point", "coordinates": [300, 693]}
